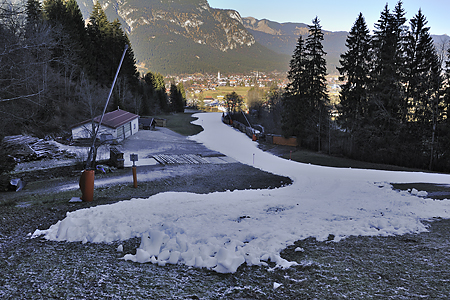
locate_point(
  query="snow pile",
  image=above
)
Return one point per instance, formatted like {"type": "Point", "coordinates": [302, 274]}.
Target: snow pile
{"type": "Point", "coordinates": [221, 231]}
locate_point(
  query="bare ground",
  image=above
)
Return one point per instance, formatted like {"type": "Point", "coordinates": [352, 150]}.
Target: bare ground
{"type": "Point", "coordinates": [399, 267]}
{"type": "Point", "coordinates": [414, 266]}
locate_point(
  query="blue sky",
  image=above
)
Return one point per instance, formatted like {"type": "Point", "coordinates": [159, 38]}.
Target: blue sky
{"type": "Point", "coordinates": [338, 15]}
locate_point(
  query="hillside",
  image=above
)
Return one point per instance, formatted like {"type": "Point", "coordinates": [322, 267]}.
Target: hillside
{"type": "Point", "coordinates": [187, 36]}
{"type": "Point", "coordinates": [282, 38]}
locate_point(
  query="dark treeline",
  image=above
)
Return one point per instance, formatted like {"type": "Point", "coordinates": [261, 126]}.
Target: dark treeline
{"type": "Point", "coordinates": [394, 97]}
{"type": "Point", "coordinates": [55, 70]}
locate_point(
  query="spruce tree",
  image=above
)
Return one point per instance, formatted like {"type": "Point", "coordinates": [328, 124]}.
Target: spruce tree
{"type": "Point", "coordinates": [305, 100]}
{"type": "Point", "coordinates": [355, 72]}
{"type": "Point", "coordinates": [107, 42]}
{"type": "Point", "coordinates": [386, 93]}
{"type": "Point", "coordinates": [423, 70]}
{"type": "Point", "coordinates": [99, 64]}
{"type": "Point", "coordinates": [176, 99]}
{"type": "Point", "coordinates": [181, 89]}
{"type": "Point", "coordinates": [157, 88]}
{"type": "Point", "coordinates": [34, 17]}
{"type": "Point", "coordinates": [75, 27]}
{"type": "Point", "coordinates": [316, 88]}
{"type": "Point", "coordinates": [293, 100]}
{"type": "Point", "coordinates": [424, 81]}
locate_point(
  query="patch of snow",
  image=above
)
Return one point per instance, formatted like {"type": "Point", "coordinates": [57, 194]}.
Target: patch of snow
{"type": "Point", "coordinates": [276, 285]}
{"type": "Point", "coordinates": [236, 16]}
{"type": "Point", "coordinates": [201, 230]}
{"type": "Point", "coordinates": [190, 23]}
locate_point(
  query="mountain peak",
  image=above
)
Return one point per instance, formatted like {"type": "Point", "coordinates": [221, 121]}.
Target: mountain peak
{"type": "Point", "coordinates": [168, 34]}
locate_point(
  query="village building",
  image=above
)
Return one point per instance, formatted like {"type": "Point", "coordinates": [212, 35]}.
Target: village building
{"type": "Point", "coordinates": [116, 126]}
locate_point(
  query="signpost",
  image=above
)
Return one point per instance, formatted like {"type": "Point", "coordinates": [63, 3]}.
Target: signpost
{"type": "Point", "coordinates": [134, 158]}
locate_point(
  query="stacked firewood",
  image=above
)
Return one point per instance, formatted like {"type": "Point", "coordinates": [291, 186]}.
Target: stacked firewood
{"type": "Point", "coordinates": [28, 148]}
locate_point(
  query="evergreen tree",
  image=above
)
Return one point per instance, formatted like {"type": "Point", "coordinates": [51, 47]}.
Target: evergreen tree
{"type": "Point", "coordinates": [34, 17]}
{"type": "Point", "coordinates": [294, 100]}
{"type": "Point", "coordinates": [424, 81]}
{"type": "Point", "coordinates": [446, 91]}
{"type": "Point", "coordinates": [99, 63]}
{"type": "Point", "coordinates": [69, 35]}
{"type": "Point", "coordinates": [75, 27]}
{"type": "Point", "coordinates": [157, 88]}
{"type": "Point", "coordinates": [117, 40]}
{"type": "Point", "coordinates": [423, 70]}
{"type": "Point", "coordinates": [355, 71]}
{"type": "Point", "coordinates": [55, 12]}
{"type": "Point", "coordinates": [107, 42]}
{"type": "Point", "coordinates": [316, 87]}
{"type": "Point", "coordinates": [386, 94]}
{"type": "Point", "coordinates": [306, 99]}
{"type": "Point", "coordinates": [176, 99]}
{"type": "Point", "coordinates": [296, 73]}
{"type": "Point", "coordinates": [182, 91]}
{"type": "Point", "coordinates": [74, 22]}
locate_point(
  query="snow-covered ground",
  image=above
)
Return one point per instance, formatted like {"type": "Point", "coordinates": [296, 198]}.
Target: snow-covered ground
{"type": "Point", "coordinates": [221, 231]}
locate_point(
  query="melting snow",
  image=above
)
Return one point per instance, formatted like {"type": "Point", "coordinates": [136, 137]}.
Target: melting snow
{"type": "Point", "coordinates": [221, 231]}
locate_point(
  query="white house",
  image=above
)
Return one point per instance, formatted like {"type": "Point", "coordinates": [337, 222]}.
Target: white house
{"type": "Point", "coordinates": [116, 125]}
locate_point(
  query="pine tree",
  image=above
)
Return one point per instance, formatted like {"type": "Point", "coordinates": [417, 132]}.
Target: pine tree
{"type": "Point", "coordinates": [316, 87]}
{"type": "Point", "coordinates": [157, 88]}
{"type": "Point", "coordinates": [182, 91]}
{"type": "Point", "coordinates": [74, 26]}
{"type": "Point", "coordinates": [296, 74]}
{"type": "Point", "coordinates": [34, 17]}
{"type": "Point", "coordinates": [176, 99]}
{"type": "Point", "coordinates": [107, 42]}
{"type": "Point", "coordinates": [305, 100]}
{"type": "Point", "coordinates": [355, 71]}
{"type": "Point", "coordinates": [293, 101]}
{"type": "Point", "coordinates": [424, 80]}
{"type": "Point", "coordinates": [423, 70]}
{"type": "Point", "coordinates": [386, 93]}
{"type": "Point", "coordinates": [54, 12]}
{"type": "Point", "coordinates": [69, 35]}
{"type": "Point", "coordinates": [99, 64]}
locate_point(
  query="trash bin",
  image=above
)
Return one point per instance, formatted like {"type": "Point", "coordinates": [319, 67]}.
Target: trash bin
{"type": "Point", "coordinates": [116, 158]}
{"type": "Point", "coordinates": [87, 185]}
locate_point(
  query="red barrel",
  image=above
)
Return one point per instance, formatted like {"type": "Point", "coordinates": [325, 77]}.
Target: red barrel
{"type": "Point", "coordinates": [87, 185]}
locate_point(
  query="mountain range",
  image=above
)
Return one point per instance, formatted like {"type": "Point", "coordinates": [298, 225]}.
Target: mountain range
{"type": "Point", "coordinates": [188, 36]}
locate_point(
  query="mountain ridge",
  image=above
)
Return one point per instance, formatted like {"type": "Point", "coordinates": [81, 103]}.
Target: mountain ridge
{"type": "Point", "coordinates": [188, 36]}
{"type": "Point", "coordinates": [283, 37]}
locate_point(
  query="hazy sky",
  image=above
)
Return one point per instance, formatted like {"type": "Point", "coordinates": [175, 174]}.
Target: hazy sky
{"type": "Point", "coordinates": [338, 15]}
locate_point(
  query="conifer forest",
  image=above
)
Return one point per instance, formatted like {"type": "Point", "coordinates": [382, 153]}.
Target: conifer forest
{"type": "Point", "coordinates": [394, 98]}
{"type": "Point", "coordinates": [56, 70]}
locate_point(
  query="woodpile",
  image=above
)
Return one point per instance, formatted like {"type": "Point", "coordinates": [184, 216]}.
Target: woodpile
{"type": "Point", "coordinates": [28, 148]}
{"type": "Point", "coordinates": [165, 159]}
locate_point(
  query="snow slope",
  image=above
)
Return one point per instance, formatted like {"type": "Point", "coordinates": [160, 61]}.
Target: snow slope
{"type": "Point", "coordinates": [221, 231]}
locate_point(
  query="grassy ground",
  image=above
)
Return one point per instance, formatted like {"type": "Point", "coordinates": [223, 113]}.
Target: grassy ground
{"type": "Point", "coordinates": [322, 159]}
{"type": "Point", "coordinates": [223, 90]}
{"type": "Point", "coordinates": [181, 123]}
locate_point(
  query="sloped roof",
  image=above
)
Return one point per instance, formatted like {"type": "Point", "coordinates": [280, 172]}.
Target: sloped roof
{"type": "Point", "coordinates": [113, 119]}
